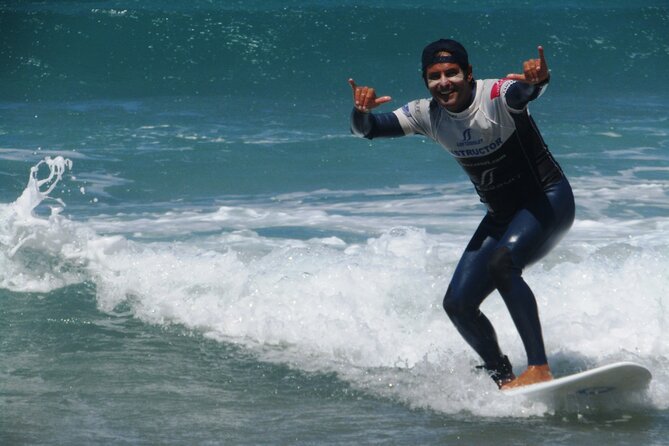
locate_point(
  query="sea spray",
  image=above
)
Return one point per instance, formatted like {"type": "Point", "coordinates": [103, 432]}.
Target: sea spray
{"type": "Point", "coordinates": [19, 218]}
{"type": "Point", "coordinates": [33, 194]}
{"type": "Point", "coordinates": [30, 246]}
{"type": "Point", "coordinates": [41, 254]}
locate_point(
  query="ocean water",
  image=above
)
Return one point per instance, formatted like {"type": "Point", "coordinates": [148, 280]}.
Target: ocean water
{"type": "Point", "coordinates": [195, 250]}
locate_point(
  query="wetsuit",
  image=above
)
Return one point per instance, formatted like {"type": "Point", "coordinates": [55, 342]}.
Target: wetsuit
{"type": "Point", "coordinates": [529, 201]}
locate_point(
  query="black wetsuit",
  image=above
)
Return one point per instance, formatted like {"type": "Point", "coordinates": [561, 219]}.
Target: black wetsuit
{"type": "Point", "coordinates": [529, 200]}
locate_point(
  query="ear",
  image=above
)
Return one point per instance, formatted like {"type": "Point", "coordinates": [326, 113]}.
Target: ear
{"type": "Point", "coordinates": [470, 74]}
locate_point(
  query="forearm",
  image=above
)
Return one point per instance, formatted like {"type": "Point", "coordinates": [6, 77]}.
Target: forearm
{"type": "Point", "coordinates": [520, 94]}
{"type": "Point", "coordinates": [368, 125]}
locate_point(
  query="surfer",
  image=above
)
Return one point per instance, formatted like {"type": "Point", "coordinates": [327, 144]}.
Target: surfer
{"type": "Point", "coordinates": [486, 126]}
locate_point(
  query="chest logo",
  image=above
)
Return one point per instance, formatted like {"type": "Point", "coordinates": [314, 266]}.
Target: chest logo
{"type": "Point", "coordinates": [468, 139]}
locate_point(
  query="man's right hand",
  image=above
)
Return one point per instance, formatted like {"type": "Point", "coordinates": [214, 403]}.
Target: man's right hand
{"type": "Point", "coordinates": [365, 98]}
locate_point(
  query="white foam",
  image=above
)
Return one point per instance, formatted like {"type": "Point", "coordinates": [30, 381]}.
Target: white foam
{"type": "Point", "coordinates": [366, 307]}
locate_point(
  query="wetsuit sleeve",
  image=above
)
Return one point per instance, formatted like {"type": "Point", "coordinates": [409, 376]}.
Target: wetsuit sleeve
{"type": "Point", "coordinates": [368, 125]}
{"type": "Point", "coordinates": [518, 94]}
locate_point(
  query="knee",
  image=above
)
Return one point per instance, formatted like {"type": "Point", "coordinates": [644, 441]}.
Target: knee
{"type": "Point", "coordinates": [454, 303]}
{"type": "Point", "coordinates": [502, 269]}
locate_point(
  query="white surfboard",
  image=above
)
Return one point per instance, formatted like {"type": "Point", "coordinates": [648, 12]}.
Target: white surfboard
{"type": "Point", "coordinates": [610, 380]}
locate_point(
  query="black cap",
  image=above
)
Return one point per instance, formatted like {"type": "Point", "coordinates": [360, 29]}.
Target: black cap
{"type": "Point", "coordinates": [457, 51]}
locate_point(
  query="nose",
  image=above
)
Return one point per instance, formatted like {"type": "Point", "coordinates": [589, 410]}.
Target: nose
{"type": "Point", "coordinates": [443, 79]}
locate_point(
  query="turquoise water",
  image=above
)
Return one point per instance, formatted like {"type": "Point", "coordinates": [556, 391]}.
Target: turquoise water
{"type": "Point", "coordinates": [223, 263]}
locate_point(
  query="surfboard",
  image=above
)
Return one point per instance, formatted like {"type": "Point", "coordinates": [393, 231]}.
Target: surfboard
{"type": "Point", "coordinates": [612, 380]}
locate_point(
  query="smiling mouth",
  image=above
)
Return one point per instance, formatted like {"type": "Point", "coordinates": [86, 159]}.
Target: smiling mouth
{"type": "Point", "coordinates": [445, 93]}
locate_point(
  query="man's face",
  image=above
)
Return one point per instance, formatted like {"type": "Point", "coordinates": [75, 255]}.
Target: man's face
{"type": "Point", "coordinates": [449, 85]}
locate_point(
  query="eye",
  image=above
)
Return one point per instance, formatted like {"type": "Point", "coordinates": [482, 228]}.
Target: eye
{"type": "Point", "coordinates": [434, 76]}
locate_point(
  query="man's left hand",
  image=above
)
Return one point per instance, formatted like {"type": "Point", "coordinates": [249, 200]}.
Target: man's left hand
{"type": "Point", "coordinates": [535, 71]}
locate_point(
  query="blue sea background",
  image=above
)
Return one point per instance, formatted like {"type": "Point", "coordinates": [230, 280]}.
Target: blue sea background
{"type": "Point", "coordinates": [224, 263]}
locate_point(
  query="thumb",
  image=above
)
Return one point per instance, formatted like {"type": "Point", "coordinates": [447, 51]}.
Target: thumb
{"type": "Point", "coordinates": [515, 77]}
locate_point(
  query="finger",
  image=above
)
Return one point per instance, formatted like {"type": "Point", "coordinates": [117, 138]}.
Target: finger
{"type": "Point", "coordinates": [543, 68]}
{"type": "Point", "coordinates": [364, 92]}
{"type": "Point", "coordinates": [527, 69]}
{"type": "Point", "coordinates": [358, 95]}
{"type": "Point", "coordinates": [383, 100]}
{"type": "Point", "coordinates": [535, 71]}
{"type": "Point", "coordinates": [363, 98]}
{"type": "Point", "coordinates": [351, 82]}
{"type": "Point", "coordinates": [369, 98]}
{"type": "Point", "coordinates": [531, 72]}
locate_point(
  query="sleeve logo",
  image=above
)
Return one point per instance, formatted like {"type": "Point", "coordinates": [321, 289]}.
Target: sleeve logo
{"type": "Point", "coordinates": [500, 87]}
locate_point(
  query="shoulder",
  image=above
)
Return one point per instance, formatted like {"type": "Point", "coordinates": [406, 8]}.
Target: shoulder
{"type": "Point", "coordinates": [509, 94]}
{"type": "Point", "coordinates": [497, 88]}
{"type": "Point", "coordinates": [414, 116]}
{"type": "Point", "coordinates": [415, 109]}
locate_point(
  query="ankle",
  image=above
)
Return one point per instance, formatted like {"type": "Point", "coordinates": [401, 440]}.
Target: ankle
{"type": "Point", "coordinates": [501, 372]}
